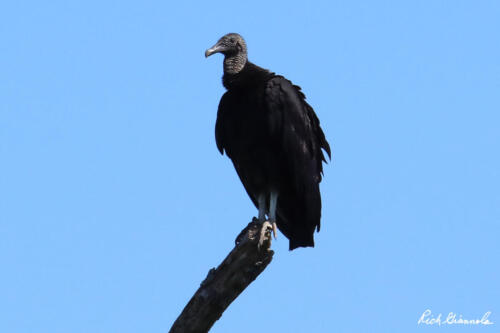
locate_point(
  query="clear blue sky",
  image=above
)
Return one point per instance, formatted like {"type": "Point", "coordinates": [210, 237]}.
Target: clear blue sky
{"type": "Point", "coordinates": [114, 202]}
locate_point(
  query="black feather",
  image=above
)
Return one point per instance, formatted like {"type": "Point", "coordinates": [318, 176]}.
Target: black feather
{"type": "Point", "coordinates": [275, 142]}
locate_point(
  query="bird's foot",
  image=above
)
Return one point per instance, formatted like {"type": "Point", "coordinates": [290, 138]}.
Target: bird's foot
{"type": "Point", "coordinates": [265, 230]}
{"type": "Point", "coordinates": [262, 229]}
{"type": "Point", "coordinates": [274, 228]}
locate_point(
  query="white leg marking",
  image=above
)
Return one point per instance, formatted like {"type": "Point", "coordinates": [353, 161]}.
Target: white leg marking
{"type": "Point", "coordinates": [272, 206]}
{"type": "Point", "coordinates": [273, 202]}
{"type": "Point", "coordinates": [261, 201]}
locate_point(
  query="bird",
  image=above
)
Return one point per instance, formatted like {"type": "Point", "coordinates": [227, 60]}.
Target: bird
{"type": "Point", "coordinates": [274, 140]}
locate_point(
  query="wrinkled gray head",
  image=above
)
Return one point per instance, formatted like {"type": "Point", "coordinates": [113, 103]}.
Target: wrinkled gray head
{"type": "Point", "coordinates": [234, 49]}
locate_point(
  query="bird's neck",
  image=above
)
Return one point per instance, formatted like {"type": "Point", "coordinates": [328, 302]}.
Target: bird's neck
{"type": "Point", "coordinates": [235, 63]}
{"type": "Point", "coordinates": [249, 75]}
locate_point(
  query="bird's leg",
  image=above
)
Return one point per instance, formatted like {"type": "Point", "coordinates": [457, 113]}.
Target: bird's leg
{"type": "Point", "coordinates": [273, 201]}
{"type": "Point", "coordinates": [265, 225]}
{"type": "Point", "coordinates": [261, 201]}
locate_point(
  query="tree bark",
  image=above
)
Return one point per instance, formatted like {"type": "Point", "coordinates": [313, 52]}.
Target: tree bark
{"type": "Point", "coordinates": [223, 284]}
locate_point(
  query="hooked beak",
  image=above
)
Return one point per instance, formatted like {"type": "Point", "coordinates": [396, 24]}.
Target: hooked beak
{"type": "Point", "coordinates": [214, 49]}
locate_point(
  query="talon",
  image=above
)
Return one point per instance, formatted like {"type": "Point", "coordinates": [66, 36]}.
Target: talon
{"type": "Point", "coordinates": [266, 226]}
{"type": "Point", "coordinates": [275, 229]}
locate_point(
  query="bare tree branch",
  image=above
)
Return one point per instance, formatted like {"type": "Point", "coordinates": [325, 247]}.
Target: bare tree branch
{"type": "Point", "coordinates": [223, 284]}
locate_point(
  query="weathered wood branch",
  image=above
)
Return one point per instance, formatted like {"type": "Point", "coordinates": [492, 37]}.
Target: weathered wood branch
{"type": "Point", "coordinates": [223, 284]}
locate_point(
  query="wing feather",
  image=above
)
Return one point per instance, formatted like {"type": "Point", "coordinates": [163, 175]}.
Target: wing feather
{"type": "Point", "coordinates": [292, 118]}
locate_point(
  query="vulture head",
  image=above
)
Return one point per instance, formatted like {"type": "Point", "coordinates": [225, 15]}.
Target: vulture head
{"type": "Point", "coordinates": [234, 49]}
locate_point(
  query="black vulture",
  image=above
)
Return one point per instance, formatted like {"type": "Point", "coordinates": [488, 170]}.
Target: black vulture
{"type": "Point", "coordinates": [274, 140]}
